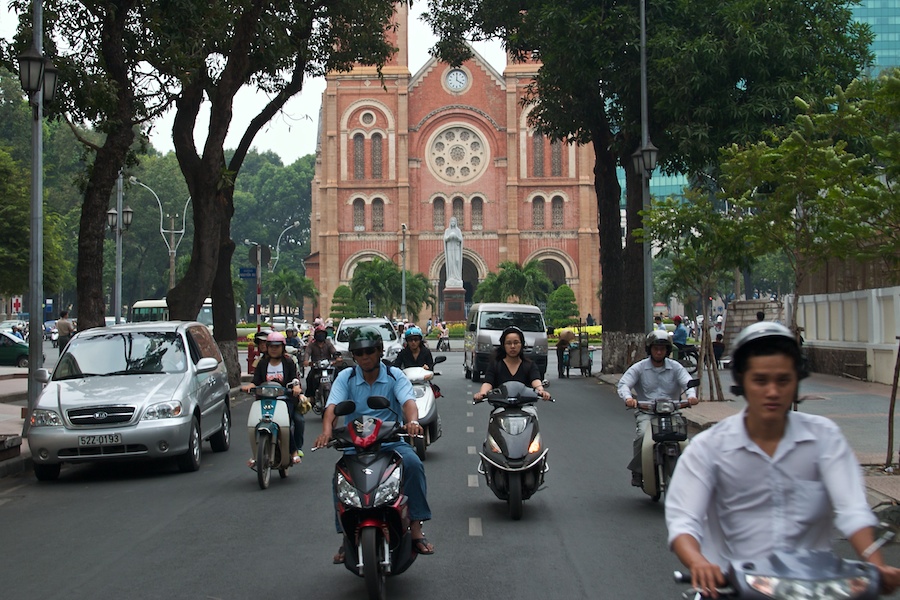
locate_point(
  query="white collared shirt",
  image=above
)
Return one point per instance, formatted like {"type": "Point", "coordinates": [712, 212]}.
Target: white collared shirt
{"type": "Point", "coordinates": [740, 503]}
{"type": "Point", "coordinates": [655, 383]}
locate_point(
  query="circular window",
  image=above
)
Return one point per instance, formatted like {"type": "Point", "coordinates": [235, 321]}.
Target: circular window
{"type": "Point", "coordinates": [457, 154]}
{"type": "Point", "coordinates": [367, 118]}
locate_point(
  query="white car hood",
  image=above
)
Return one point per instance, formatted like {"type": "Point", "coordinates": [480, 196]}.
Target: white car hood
{"type": "Point", "coordinates": [138, 390]}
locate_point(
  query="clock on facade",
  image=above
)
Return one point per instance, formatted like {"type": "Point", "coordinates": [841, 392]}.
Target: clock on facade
{"type": "Point", "coordinates": [457, 79]}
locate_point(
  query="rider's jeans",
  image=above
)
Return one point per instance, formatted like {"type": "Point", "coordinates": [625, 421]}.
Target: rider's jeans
{"type": "Point", "coordinates": [641, 423]}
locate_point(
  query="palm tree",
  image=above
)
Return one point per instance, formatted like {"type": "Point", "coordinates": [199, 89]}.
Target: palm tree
{"type": "Point", "coordinates": [528, 284]}
{"type": "Point", "coordinates": [372, 280]}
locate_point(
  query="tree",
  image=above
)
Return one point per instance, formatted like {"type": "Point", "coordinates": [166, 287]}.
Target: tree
{"type": "Point", "coordinates": [527, 283]}
{"type": "Point", "coordinates": [562, 310]}
{"type": "Point", "coordinates": [380, 282]}
{"type": "Point", "coordinates": [344, 305]}
{"type": "Point", "coordinates": [717, 72]}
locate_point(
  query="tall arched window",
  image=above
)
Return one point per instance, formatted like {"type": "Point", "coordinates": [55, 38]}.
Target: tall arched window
{"type": "Point", "coordinates": [459, 211]}
{"type": "Point", "coordinates": [359, 215]}
{"type": "Point", "coordinates": [439, 218]}
{"type": "Point", "coordinates": [376, 156]}
{"type": "Point", "coordinates": [556, 209]}
{"type": "Point", "coordinates": [556, 159]}
{"type": "Point", "coordinates": [537, 147]}
{"type": "Point", "coordinates": [377, 214]}
{"type": "Point", "coordinates": [537, 212]}
{"type": "Point", "coordinates": [477, 213]}
{"type": "Point", "coordinates": [359, 156]}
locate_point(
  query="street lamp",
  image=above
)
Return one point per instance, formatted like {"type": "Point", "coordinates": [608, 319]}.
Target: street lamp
{"type": "Point", "coordinates": [403, 273]}
{"type": "Point", "coordinates": [644, 162]}
{"type": "Point", "coordinates": [171, 243]}
{"type": "Point", "coordinates": [278, 244]}
{"type": "Point", "coordinates": [118, 227]}
{"type": "Point", "coordinates": [38, 78]}
{"type": "Point", "coordinates": [256, 256]}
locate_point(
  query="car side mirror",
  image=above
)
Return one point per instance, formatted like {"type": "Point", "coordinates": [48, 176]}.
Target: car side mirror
{"type": "Point", "coordinates": [471, 326]}
{"type": "Point", "coordinates": [207, 364]}
{"type": "Point", "coordinates": [42, 376]}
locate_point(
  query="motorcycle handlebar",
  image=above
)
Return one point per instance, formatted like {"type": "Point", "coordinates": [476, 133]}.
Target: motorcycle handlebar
{"type": "Point", "coordinates": [685, 577]}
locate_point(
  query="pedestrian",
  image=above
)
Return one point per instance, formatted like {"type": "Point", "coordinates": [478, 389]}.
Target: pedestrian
{"type": "Point", "coordinates": [65, 328]}
{"type": "Point", "coordinates": [566, 337]}
{"type": "Point", "coordinates": [590, 320]}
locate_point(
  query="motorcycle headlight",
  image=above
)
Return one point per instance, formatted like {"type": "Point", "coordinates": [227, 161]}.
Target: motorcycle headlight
{"type": "Point", "coordinates": [798, 589]}
{"type": "Point", "coordinates": [389, 490]}
{"type": "Point", "coordinates": [45, 418]}
{"type": "Point", "coordinates": [163, 410]}
{"type": "Point", "coordinates": [346, 493]}
{"type": "Point", "coordinates": [493, 445]}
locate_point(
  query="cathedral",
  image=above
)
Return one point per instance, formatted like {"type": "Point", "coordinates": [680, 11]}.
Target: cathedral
{"type": "Point", "coordinates": [397, 160]}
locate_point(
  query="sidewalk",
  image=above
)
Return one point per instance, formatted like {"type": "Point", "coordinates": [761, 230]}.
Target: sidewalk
{"type": "Point", "coordinates": [859, 408]}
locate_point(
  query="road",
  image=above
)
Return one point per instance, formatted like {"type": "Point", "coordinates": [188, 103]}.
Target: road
{"type": "Point", "coordinates": [147, 531]}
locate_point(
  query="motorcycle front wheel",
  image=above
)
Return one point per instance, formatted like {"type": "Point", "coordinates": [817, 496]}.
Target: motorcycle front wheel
{"type": "Point", "coordinates": [515, 495]}
{"type": "Point", "coordinates": [373, 570]}
{"type": "Point", "coordinates": [263, 466]}
{"type": "Point", "coordinates": [318, 401]}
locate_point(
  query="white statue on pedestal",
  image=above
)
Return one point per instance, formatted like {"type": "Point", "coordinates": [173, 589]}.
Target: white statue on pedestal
{"type": "Point", "coordinates": [453, 244]}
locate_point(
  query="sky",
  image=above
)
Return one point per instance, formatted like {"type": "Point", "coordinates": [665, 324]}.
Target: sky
{"type": "Point", "coordinates": [292, 133]}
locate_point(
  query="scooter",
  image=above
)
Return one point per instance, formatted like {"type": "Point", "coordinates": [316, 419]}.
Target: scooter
{"type": "Point", "coordinates": [324, 370]}
{"type": "Point", "coordinates": [54, 337]}
{"type": "Point", "coordinates": [513, 458]}
{"type": "Point", "coordinates": [370, 503]}
{"type": "Point", "coordinates": [426, 398]}
{"type": "Point", "coordinates": [269, 429]}
{"type": "Point", "coordinates": [664, 441]}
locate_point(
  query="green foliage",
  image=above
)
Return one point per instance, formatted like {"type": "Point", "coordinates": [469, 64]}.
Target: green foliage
{"type": "Point", "coordinates": [380, 281]}
{"type": "Point", "coordinates": [527, 284]}
{"type": "Point", "coordinates": [344, 306]}
{"type": "Point", "coordinates": [562, 310]}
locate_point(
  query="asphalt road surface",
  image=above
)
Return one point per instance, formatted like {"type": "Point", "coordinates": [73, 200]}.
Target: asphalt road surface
{"type": "Point", "coordinates": [144, 530]}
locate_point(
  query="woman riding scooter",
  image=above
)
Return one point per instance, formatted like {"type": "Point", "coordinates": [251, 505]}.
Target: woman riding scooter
{"type": "Point", "coordinates": [510, 365]}
{"type": "Point", "coordinates": [415, 354]}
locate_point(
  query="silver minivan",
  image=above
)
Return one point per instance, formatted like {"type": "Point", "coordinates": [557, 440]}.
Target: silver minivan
{"type": "Point", "coordinates": [485, 324]}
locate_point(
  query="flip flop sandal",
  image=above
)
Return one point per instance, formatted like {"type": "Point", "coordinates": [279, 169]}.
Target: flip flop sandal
{"type": "Point", "coordinates": [339, 557]}
{"type": "Point", "coordinates": [420, 545]}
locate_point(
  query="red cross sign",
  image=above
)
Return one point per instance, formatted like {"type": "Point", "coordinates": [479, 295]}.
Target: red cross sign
{"type": "Point", "coordinates": [17, 304]}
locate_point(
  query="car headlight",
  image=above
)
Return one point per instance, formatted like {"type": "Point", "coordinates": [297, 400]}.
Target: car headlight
{"type": "Point", "coordinates": [346, 493]}
{"type": "Point", "coordinates": [45, 418]}
{"type": "Point", "coordinates": [389, 489]}
{"type": "Point", "coordinates": [540, 348]}
{"type": "Point", "coordinates": [791, 589]}
{"type": "Point", "coordinates": [484, 347]}
{"type": "Point", "coordinates": [163, 410]}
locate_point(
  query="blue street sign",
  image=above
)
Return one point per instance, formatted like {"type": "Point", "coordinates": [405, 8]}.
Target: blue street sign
{"type": "Point", "coordinates": [248, 273]}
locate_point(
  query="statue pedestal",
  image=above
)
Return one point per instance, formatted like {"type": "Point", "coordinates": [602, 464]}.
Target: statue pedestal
{"type": "Point", "coordinates": [454, 304]}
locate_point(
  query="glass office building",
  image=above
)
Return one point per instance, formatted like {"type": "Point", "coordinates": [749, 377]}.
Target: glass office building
{"type": "Point", "coordinates": [883, 16]}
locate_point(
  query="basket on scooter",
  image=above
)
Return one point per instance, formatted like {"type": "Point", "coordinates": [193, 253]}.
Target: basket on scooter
{"type": "Point", "coordinates": [669, 428]}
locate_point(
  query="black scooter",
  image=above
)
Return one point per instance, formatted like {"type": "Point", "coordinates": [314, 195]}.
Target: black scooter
{"type": "Point", "coordinates": [513, 459]}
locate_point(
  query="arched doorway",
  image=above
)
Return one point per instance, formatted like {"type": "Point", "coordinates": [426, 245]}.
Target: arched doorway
{"type": "Point", "coordinates": [555, 271]}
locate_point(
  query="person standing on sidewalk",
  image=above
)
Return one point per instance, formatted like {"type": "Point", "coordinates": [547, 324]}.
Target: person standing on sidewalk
{"type": "Point", "coordinates": [66, 329]}
{"type": "Point", "coordinates": [767, 478]}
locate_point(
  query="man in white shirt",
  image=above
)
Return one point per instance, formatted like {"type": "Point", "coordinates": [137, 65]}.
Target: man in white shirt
{"type": "Point", "coordinates": [767, 478]}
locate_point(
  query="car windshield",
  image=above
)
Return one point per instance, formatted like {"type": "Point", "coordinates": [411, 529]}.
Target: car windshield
{"type": "Point", "coordinates": [500, 320]}
{"type": "Point", "coordinates": [123, 353]}
{"type": "Point", "coordinates": [386, 329]}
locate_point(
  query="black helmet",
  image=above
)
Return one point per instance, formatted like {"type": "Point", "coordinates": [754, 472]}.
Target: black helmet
{"type": "Point", "coordinates": [366, 336]}
{"type": "Point", "coordinates": [759, 339]}
{"type": "Point", "coordinates": [261, 336]}
{"type": "Point", "coordinates": [658, 337]}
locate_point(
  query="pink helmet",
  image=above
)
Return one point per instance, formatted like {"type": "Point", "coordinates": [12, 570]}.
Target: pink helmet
{"type": "Point", "coordinates": [276, 337]}
{"type": "Point", "coordinates": [320, 327]}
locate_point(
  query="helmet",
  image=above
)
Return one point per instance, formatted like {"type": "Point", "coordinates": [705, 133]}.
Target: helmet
{"type": "Point", "coordinates": [676, 319]}
{"type": "Point", "coordinates": [763, 338]}
{"type": "Point", "coordinates": [366, 336]}
{"type": "Point", "coordinates": [658, 337]}
{"type": "Point", "coordinates": [413, 331]}
{"type": "Point", "coordinates": [276, 337]}
{"type": "Point", "coordinates": [511, 330]}
{"type": "Point", "coordinates": [262, 336]}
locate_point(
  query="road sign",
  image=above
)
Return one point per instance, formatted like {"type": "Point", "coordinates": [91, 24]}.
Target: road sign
{"type": "Point", "coordinates": [248, 273]}
{"type": "Point", "coordinates": [17, 304]}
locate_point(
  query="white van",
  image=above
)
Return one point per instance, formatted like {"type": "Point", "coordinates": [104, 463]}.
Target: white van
{"type": "Point", "coordinates": [485, 324]}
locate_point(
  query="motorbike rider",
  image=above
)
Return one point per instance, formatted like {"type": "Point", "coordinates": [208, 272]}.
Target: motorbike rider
{"type": "Point", "coordinates": [290, 337]}
{"type": "Point", "coordinates": [656, 377]}
{"type": "Point", "coordinates": [680, 335]}
{"type": "Point", "coordinates": [320, 348]}
{"type": "Point", "coordinates": [509, 365]}
{"type": "Point", "coordinates": [275, 366]}
{"type": "Point", "coordinates": [414, 354]}
{"type": "Point", "coordinates": [767, 478]}
{"type": "Point", "coordinates": [371, 377]}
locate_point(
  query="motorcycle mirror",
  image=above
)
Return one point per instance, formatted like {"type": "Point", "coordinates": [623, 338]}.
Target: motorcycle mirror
{"type": "Point", "coordinates": [545, 383]}
{"type": "Point", "coordinates": [440, 359]}
{"type": "Point", "coordinates": [693, 383]}
{"type": "Point", "coordinates": [378, 402]}
{"type": "Point", "coordinates": [344, 408]}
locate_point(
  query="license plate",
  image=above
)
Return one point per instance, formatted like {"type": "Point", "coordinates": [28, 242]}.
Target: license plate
{"type": "Point", "coordinates": [100, 440]}
{"type": "Point", "coordinates": [325, 380]}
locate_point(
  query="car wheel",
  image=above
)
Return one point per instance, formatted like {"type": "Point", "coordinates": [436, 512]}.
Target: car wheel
{"type": "Point", "coordinates": [46, 472]}
{"type": "Point", "coordinates": [22, 361]}
{"type": "Point", "coordinates": [190, 460]}
{"type": "Point", "coordinates": [221, 440]}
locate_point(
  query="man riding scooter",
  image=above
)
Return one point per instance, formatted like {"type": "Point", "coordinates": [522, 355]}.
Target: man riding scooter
{"type": "Point", "coordinates": [320, 348]}
{"type": "Point", "coordinates": [656, 377]}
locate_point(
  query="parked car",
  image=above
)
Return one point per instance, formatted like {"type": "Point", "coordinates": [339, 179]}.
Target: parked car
{"type": "Point", "coordinates": [135, 391]}
{"type": "Point", "coordinates": [281, 323]}
{"type": "Point", "coordinates": [392, 342]}
{"type": "Point", "coordinates": [7, 325]}
{"type": "Point", "coordinates": [13, 350]}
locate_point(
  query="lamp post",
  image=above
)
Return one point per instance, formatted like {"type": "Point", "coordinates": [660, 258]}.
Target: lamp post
{"type": "Point", "coordinates": [275, 262]}
{"type": "Point", "coordinates": [403, 272]}
{"type": "Point", "coordinates": [644, 162]}
{"type": "Point", "coordinates": [118, 226]}
{"type": "Point", "coordinates": [38, 78]}
{"type": "Point", "coordinates": [255, 256]}
{"type": "Point", "coordinates": [171, 243]}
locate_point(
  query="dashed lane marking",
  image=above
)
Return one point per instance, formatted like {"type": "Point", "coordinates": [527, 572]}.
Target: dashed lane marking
{"type": "Point", "coordinates": [471, 449]}
{"type": "Point", "coordinates": [473, 480]}
{"type": "Point", "coordinates": [470, 429]}
{"type": "Point", "coordinates": [475, 526]}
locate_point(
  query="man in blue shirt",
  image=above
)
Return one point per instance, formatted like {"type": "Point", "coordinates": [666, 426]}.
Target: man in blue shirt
{"type": "Point", "coordinates": [371, 377]}
{"type": "Point", "coordinates": [680, 336]}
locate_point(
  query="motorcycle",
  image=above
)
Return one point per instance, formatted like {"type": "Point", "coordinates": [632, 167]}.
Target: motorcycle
{"type": "Point", "coordinates": [269, 429]}
{"type": "Point", "coordinates": [426, 397]}
{"type": "Point", "coordinates": [664, 441]}
{"type": "Point", "coordinates": [324, 370]}
{"type": "Point", "coordinates": [513, 458]}
{"type": "Point", "coordinates": [371, 506]}
{"type": "Point", "coordinates": [688, 356]}
{"type": "Point", "coordinates": [54, 337]}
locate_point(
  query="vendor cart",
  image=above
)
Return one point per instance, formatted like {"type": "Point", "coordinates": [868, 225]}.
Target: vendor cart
{"type": "Point", "coordinates": [580, 355]}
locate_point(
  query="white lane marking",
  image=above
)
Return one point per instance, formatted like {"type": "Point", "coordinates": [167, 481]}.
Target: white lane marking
{"type": "Point", "coordinates": [471, 449]}
{"type": "Point", "coordinates": [473, 480]}
{"type": "Point", "coordinates": [475, 526]}
{"type": "Point", "coordinates": [470, 429]}
{"type": "Point", "coordinates": [470, 414]}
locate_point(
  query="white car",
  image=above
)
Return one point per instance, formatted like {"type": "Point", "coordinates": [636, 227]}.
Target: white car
{"type": "Point", "coordinates": [138, 391]}
{"type": "Point", "coordinates": [281, 323]}
{"type": "Point", "coordinates": [392, 342]}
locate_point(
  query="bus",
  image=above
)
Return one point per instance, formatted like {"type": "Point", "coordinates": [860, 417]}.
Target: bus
{"type": "Point", "coordinates": [158, 310]}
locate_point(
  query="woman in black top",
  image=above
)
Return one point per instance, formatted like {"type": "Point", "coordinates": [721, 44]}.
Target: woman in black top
{"type": "Point", "coordinates": [415, 354]}
{"type": "Point", "coordinates": [510, 365]}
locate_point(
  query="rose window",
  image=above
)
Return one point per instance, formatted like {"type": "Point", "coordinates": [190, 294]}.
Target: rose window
{"type": "Point", "coordinates": [457, 154]}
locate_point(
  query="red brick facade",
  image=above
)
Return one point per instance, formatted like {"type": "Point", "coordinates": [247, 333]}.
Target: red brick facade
{"type": "Point", "coordinates": [447, 142]}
